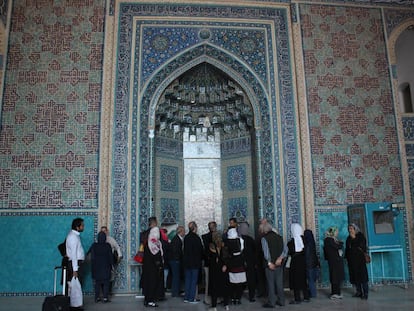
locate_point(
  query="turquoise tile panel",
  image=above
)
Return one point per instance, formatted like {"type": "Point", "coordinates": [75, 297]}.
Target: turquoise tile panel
{"type": "Point", "coordinates": [30, 249]}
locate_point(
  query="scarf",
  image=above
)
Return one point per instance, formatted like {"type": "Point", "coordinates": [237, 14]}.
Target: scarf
{"type": "Point", "coordinates": [297, 233]}
{"type": "Point", "coordinates": [154, 243]}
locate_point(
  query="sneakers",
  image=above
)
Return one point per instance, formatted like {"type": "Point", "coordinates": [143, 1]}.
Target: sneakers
{"type": "Point", "coordinates": [335, 296]}
{"type": "Point", "coordinates": [151, 304]}
{"type": "Point", "coordinates": [193, 301]}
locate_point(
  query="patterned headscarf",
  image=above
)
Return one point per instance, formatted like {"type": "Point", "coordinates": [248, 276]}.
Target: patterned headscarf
{"type": "Point", "coordinates": [154, 243]}
{"type": "Point", "coordinates": [331, 232]}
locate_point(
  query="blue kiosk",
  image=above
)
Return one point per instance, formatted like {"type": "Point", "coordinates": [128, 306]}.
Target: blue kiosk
{"type": "Point", "coordinates": [382, 224]}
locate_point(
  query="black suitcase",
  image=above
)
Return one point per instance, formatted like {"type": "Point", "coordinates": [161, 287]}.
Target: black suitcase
{"type": "Point", "coordinates": [57, 302]}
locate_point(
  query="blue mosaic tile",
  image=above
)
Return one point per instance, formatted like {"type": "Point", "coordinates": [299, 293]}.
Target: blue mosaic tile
{"type": "Point", "coordinates": [169, 178]}
{"type": "Point", "coordinates": [408, 128]}
{"type": "Point", "coordinates": [409, 150]}
{"type": "Point", "coordinates": [169, 211]}
{"type": "Point", "coordinates": [237, 207]}
{"type": "Point", "coordinates": [236, 177]}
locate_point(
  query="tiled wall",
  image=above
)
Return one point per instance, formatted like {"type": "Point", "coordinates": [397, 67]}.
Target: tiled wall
{"type": "Point", "coordinates": [50, 119]}
{"type": "Point", "coordinates": [49, 138]}
{"type": "Point", "coordinates": [354, 143]}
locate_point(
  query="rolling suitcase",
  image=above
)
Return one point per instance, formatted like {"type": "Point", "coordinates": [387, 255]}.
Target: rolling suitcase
{"type": "Point", "coordinates": [57, 302]}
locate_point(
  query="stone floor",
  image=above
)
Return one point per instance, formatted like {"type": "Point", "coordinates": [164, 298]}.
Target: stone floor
{"type": "Point", "coordinates": [387, 297]}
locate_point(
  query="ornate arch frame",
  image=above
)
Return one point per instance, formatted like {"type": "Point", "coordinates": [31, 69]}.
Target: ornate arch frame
{"type": "Point", "coordinates": [126, 172]}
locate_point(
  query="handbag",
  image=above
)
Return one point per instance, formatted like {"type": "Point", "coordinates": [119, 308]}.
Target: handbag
{"type": "Point", "coordinates": [139, 256]}
{"type": "Point", "coordinates": [75, 293]}
{"type": "Point", "coordinates": [367, 258]}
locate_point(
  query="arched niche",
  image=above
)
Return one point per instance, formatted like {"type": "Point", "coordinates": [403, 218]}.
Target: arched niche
{"type": "Point", "coordinates": [254, 91]}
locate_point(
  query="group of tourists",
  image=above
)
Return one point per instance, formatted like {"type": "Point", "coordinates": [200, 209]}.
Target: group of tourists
{"type": "Point", "coordinates": [104, 255]}
{"type": "Point", "coordinates": [222, 265]}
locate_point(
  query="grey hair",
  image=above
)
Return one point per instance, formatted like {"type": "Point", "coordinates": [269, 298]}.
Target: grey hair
{"type": "Point", "coordinates": [356, 228]}
{"type": "Point", "coordinates": [265, 227]}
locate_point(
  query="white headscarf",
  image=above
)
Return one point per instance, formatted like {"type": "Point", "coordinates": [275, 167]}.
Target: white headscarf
{"type": "Point", "coordinates": [232, 234]}
{"type": "Point", "coordinates": [297, 233]}
{"type": "Point", "coordinates": [154, 243]}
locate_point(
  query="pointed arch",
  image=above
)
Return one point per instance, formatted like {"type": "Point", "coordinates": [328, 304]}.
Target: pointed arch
{"type": "Point", "coordinates": [395, 34]}
{"type": "Point", "coordinates": [219, 64]}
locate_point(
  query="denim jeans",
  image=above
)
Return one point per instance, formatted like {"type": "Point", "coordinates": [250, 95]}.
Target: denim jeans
{"type": "Point", "coordinates": [175, 278]}
{"type": "Point", "coordinates": [312, 276]}
{"type": "Point", "coordinates": [191, 278]}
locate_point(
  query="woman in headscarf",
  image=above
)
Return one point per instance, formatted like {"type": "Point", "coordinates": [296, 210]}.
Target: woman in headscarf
{"type": "Point", "coordinates": [297, 271]}
{"type": "Point", "coordinates": [235, 264]}
{"type": "Point", "coordinates": [333, 252]}
{"type": "Point", "coordinates": [101, 261]}
{"type": "Point", "coordinates": [152, 268]}
{"type": "Point", "coordinates": [250, 258]}
{"type": "Point", "coordinates": [356, 247]}
{"type": "Point", "coordinates": [312, 262]}
{"type": "Point", "coordinates": [218, 285]}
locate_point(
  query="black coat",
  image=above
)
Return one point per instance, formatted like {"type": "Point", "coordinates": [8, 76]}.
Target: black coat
{"type": "Point", "coordinates": [354, 254]}
{"type": "Point", "coordinates": [312, 260]}
{"type": "Point", "coordinates": [176, 249]}
{"type": "Point", "coordinates": [297, 271]}
{"type": "Point", "coordinates": [193, 251]}
{"type": "Point", "coordinates": [101, 258]}
{"type": "Point", "coordinates": [249, 251]}
{"type": "Point", "coordinates": [331, 250]}
{"type": "Point", "coordinates": [207, 239]}
{"type": "Point", "coordinates": [218, 284]}
{"type": "Point", "coordinates": [234, 260]}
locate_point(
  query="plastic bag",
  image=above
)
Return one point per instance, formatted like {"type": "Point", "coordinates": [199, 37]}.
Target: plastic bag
{"type": "Point", "coordinates": [76, 297]}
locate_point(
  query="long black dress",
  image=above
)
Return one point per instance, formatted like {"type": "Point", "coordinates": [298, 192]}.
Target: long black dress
{"type": "Point", "coordinates": [151, 279]}
{"type": "Point", "coordinates": [354, 253]}
{"type": "Point", "coordinates": [102, 261]}
{"type": "Point", "coordinates": [218, 285]}
{"type": "Point", "coordinates": [297, 272]}
{"type": "Point", "coordinates": [331, 249]}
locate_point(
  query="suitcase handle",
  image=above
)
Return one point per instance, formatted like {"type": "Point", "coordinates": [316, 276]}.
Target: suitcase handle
{"type": "Point", "coordinates": [63, 268]}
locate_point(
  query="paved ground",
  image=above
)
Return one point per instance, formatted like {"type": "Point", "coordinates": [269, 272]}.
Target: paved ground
{"type": "Point", "coordinates": [387, 297]}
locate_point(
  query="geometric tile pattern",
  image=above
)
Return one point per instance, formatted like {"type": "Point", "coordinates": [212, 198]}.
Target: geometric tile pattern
{"type": "Point", "coordinates": [354, 143]}
{"type": "Point", "coordinates": [3, 11]}
{"type": "Point", "coordinates": [237, 208]}
{"type": "Point", "coordinates": [169, 211]}
{"type": "Point", "coordinates": [236, 177]}
{"type": "Point", "coordinates": [169, 178]}
{"type": "Point", "coordinates": [50, 113]}
{"type": "Point", "coordinates": [408, 128]}
{"type": "Point", "coordinates": [409, 150]}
